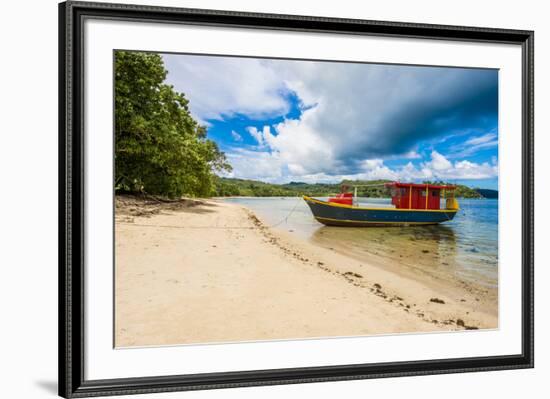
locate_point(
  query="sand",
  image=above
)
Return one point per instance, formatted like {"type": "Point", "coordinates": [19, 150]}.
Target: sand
{"type": "Point", "coordinates": [208, 271]}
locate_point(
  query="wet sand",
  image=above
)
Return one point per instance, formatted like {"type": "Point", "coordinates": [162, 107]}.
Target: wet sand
{"type": "Point", "coordinates": [208, 271]}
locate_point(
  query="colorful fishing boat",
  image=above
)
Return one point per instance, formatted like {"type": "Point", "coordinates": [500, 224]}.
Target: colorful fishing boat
{"type": "Point", "coordinates": [411, 204]}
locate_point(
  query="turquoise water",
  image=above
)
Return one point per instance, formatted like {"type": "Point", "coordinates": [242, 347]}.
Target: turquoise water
{"type": "Point", "coordinates": [467, 246]}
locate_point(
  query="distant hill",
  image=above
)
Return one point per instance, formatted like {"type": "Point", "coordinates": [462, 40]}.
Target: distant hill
{"type": "Point", "coordinates": [253, 188]}
{"type": "Point", "coordinates": [229, 187]}
{"type": "Point", "coordinates": [486, 193]}
{"type": "Point", "coordinates": [297, 183]}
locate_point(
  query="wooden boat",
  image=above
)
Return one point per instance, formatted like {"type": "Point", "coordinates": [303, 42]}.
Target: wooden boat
{"type": "Point", "coordinates": [411, 204]}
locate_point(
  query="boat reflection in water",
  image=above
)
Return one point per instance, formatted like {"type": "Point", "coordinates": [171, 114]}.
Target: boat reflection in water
{"type": "Point", "coordinates": [420, 249]}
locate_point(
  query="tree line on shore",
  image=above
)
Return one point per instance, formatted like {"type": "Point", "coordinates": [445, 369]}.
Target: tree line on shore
{"type": "Point", "coordinates": [229, 187]}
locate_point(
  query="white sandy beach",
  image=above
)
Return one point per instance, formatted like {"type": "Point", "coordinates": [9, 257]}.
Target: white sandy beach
{"type": "Point", "coordinates": [215, 273]}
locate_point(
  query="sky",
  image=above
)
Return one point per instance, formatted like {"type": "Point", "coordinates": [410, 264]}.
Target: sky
{"type": "Point", "coordinates": [316, 121]}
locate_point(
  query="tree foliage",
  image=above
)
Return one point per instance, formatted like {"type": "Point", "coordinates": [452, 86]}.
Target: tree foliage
{"type": "Point", "coordinates": [159, 147]}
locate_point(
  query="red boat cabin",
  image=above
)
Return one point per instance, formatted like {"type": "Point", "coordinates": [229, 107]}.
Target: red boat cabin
{"type": "Point", "coordinates": [417, 196]}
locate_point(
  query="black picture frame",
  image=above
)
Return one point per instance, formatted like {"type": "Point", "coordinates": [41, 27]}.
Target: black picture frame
{"type": "Point", "coordinates": [71, 200]}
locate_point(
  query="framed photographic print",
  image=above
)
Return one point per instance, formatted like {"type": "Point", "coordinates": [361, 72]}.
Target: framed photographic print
{"type": "Point", "coordinates": [253, 199]}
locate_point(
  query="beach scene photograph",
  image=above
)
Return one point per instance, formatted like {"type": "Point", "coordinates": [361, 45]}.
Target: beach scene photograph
{"type": "Point", "coordinates": [263, 199]}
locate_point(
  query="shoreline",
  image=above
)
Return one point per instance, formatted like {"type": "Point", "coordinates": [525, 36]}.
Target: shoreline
{"type": "Point", "coordinates": [204, 271]}
{"type": "Point", "coordinates": [327, 195]}
{"type": "Point", "coordinates": [402, 280]}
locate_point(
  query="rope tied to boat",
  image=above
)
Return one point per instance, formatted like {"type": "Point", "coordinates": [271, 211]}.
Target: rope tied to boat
{"type": "Point", "coordinates": [285, 219]}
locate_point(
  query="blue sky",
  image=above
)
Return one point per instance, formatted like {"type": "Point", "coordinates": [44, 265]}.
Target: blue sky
{"type": "Point", "coordinates": [287, 120]}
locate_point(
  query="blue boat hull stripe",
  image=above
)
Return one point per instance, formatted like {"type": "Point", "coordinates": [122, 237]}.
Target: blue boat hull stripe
{"type": "Point", "coordinates": [332, 215]}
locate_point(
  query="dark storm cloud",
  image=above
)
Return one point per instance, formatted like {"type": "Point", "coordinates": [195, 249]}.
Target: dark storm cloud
{"type": "Point", "coordinates": [450, 100]}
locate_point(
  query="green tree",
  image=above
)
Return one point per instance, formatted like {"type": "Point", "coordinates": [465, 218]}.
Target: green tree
{"type": "Point", "coordinates": [159, 147]}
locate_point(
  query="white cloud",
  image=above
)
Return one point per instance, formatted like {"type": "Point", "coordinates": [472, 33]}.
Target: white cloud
{"type": "Point", "coordinates": [471, 170]}
{"type": "Point", "coordinates": [298, 146]}
{"type": "Point", "coordinates": [410, 155]}
{"type": "Point", "coordinates": [272, 167]}
{"type": "Point", "coordinates": [474, 145]}
{"type": "Point", "coordinates": [481, 139]}
{"type": "Point", "coordinates": [375, 169]}
{"type": "Point", "coordinates": [439, 162]}
{"type": "Point", "coordinates": [257, 135]}
{"type": "Point", "coordinates": [441, 168]}
{"type": "Point", "coordinates": [236, 136]}
{"type": "Point", "coordinates": [263, 137]}
{"type": "Point", "coordinates": [218, 87]}
{"type": "Point", "coordinates": [256, 165]}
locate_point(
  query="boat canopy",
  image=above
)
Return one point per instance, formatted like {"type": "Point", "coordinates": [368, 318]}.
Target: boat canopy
{"type": "Point", "coordinates": [422, 185]}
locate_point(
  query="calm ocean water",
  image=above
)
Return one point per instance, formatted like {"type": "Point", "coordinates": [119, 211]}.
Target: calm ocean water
{"type": "Point", "coordinates": [466, 246]}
